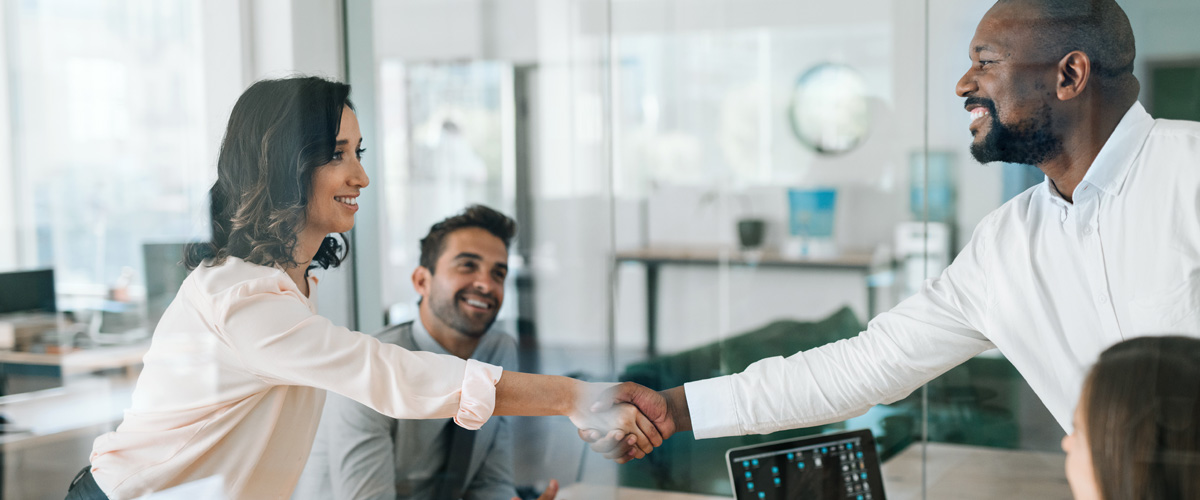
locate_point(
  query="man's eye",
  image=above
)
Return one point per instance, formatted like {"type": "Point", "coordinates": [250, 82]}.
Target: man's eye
{"type": "Point", "coordinates": [985, 63]}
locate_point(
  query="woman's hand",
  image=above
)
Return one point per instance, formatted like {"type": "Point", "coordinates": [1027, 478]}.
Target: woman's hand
{"type": "Point", "coordinates": [589, 406]}
{"type": "Point", "coordinates": [627, 433]}
{"type": "Point", "coordinates": [621, 424]}
{"type": "Point", "coordinates": [667, 410]}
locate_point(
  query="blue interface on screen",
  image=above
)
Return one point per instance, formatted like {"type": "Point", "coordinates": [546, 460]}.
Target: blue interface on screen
{"type": "Point", "coordinates": [838, 469]}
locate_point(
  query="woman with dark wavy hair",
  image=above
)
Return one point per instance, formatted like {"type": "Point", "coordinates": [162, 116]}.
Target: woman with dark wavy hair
{"type": "Point", "coordinates": [235, 378]}
{"type": "Point", "coordinates": [1137, 424]}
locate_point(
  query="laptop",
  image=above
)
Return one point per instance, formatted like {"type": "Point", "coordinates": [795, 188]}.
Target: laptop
{"type": "Point", "coordinates": [840, 465]}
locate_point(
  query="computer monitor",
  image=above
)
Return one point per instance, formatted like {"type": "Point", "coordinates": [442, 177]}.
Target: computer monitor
{"type": "Point", "coordinates": [165, 273]}
{"type": "Point", "coordinates": [841, 466]}
{"type": "Point", "coordinates": [27, 291]}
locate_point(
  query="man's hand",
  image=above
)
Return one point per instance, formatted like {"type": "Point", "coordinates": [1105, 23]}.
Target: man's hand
{"type": "Point", "coordinates": [627, 433]}
{"type": "Point", "coordinates": [549, 494]}
{"type": "Point", "coordinates": [667, 410]}
{"type": "Point", "coordinates": [627, 430]}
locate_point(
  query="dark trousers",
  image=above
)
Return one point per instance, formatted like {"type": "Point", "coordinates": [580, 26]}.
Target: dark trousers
{"type": "Point", "coordinates": [83, 487]}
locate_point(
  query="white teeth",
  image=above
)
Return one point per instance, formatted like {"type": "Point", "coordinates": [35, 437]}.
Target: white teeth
{"type": "Point", "coordinates": [346, 200]}
{"type": "Point", "coordinates": [978, 113]}
{"type": "Point", "coordinates": [476, 303]}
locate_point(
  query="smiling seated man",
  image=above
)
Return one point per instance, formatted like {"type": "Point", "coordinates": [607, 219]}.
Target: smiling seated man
{"type": "Point", "coordinates": [361, 454]}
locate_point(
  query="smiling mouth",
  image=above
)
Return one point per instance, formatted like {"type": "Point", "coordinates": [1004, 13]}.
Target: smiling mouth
{"type": "Point", "coordinates": [478, 304]}
{"type": "Point", "coordinates": [348, 201]}
{"type": "Point", "coordinates": [978, 114]}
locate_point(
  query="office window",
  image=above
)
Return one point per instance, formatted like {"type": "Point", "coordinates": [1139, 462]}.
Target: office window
{"type": "Point", "coordinates": [108, 149]}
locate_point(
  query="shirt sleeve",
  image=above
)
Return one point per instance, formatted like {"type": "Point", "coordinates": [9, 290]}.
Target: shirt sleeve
{"type": "Point", "coordinates": [361, 450]}
{"type": "Point", "coordinates": [281, 341]}
{"type": "Point", "coordinates": [902, 349]}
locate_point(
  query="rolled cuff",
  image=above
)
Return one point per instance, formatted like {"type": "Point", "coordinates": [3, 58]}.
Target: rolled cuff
{"type": "Point", "coordinates": [478, 398]}
{"type": "Point", "coordinates": [713, 408]}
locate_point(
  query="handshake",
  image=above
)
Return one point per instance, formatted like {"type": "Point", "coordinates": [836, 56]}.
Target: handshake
{"type": "Point", "coordinates": [627, 421]}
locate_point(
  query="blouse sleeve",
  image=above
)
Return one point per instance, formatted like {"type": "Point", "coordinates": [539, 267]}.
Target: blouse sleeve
{"type": "Point", "coordinates": [280, 340]}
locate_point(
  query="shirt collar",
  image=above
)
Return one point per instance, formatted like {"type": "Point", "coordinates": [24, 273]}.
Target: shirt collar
{"type": "Point", "coordinates": [1111, 166]}
{"type": "Point", "coordinates": [424, 340]}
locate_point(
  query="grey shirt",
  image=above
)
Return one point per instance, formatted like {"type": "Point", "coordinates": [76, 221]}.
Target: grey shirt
{"type": "Point", "coordinates": [361, 454]}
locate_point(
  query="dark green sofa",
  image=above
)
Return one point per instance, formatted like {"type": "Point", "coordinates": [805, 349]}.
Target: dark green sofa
{"type": "Point", "coordinates": [971, 404]}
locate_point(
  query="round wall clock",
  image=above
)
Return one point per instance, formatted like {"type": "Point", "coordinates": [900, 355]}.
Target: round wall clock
{"type": "Point", "coordinates": [830, 111]}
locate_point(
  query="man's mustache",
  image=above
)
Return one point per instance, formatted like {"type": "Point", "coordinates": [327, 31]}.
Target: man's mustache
{"type": "Point", "coordinates": [982, 101]}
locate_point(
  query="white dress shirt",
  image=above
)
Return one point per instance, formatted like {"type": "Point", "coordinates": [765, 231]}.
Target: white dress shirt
{"type": "Point", "coordinates": [235, 379]}
{"type": "Point", "coordinates": [1049, 283]}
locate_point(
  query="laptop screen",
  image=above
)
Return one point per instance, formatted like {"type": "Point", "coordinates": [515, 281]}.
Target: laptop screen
{"type": "Point", "coordinates": [841, 466]}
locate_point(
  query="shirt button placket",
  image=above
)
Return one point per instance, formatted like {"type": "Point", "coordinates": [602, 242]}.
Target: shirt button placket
{"type": "Point", "coordinates": [1095, 252]}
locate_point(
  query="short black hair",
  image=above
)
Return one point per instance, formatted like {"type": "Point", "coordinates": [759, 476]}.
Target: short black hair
{"type": "Point", "coordinates": [480, 216]}
{"type": "Point", "coordinates": [1098, 28]}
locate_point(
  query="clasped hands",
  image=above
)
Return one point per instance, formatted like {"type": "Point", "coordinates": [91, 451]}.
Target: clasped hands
{"type": "Point", "coordinates": [627, 421]}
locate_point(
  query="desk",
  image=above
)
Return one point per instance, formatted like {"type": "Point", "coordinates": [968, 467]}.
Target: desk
{"type": "Point", "coordinates": [82, 360]}
{"type": "Point", "coordinates": [655, 258]}
{"type": "Point", "coordinates": [584, 491]}
{"type": "Point", "coordinates": [957, 472]}
{"type": "Point", "coordinates": [55, 422]}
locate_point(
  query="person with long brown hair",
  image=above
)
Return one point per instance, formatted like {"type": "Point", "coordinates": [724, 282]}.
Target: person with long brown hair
{"type": "Point", "coordinates": [236, 374]}
{"type": "Point", "coordinates": [1137, 425]}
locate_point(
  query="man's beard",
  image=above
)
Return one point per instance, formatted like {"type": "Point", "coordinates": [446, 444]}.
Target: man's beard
{"type": "Point", "coordinates": [1029, 141]}
{"type": "Point", "coordinates": [449, 312]}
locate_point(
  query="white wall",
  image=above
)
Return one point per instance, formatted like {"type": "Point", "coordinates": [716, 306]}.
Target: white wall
{"type": "Point", "coordinates": [8, 208]}
{"type": "Point", "coordinates": [281, 38]}
{"type": "Point", "coordinates": [449, 30]}
{"type": "Point", "coordinates": [296, 36]}
{"type": "Point", "coordinates": [883, 40]}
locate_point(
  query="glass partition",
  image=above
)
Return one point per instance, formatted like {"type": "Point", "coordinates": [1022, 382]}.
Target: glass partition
{"type": "Point", "coordinates": [773, 156]}
{"type": "Point", "coordinates": [703, 185]}
{"type": "Point", "coordinates": [505, 104]}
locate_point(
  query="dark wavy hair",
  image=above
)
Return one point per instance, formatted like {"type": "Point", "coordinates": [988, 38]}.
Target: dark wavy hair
{"type": "Point", "coordinates": [1141, 410]}
{"type": "Point", "coordinates": [279, 132]}
{"type": "Point", "coordinates": [480, 216]}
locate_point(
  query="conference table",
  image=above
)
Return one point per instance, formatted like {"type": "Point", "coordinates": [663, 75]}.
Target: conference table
{"type": "Point", "coordinates": [951, 471]}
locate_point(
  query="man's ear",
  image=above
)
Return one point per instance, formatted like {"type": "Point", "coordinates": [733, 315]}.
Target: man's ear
{"type": "Point", "coordinates": [421, 278]}
{"type": "Point", "coordinates": [1074, 73]}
